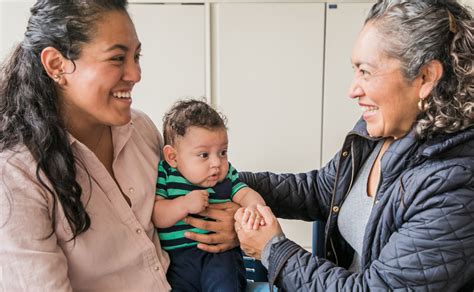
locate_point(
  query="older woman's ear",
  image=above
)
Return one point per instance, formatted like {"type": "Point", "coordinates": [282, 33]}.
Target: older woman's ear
{"type": "Point", "coordinates": [430, 74]}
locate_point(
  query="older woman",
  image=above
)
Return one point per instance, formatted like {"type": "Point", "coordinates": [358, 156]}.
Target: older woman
{"type": "Point", "coordinates": [398, 199]}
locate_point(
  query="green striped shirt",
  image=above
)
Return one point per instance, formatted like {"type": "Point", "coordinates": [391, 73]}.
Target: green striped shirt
{"type": "Point", "coordinates": [171, 184]}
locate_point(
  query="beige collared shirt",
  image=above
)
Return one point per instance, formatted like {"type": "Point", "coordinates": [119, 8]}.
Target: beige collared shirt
{"type": "Point", "coordinates": [119, 252]}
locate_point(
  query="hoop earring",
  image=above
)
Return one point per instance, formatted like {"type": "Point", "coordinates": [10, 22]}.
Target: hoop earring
{"type": "Point", "coordinates": [422, 104]}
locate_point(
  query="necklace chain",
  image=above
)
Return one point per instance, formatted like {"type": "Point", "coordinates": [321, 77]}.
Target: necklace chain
{"type": "Point", "coordinates": [98, 140]}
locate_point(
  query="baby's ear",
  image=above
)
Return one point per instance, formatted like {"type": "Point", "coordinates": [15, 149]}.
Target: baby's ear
{"type": "Point", "coordinates": [169, 154]}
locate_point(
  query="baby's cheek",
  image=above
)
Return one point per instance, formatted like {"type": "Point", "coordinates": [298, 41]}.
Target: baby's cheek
{"type": "Point", "coordinates": [224, 171]}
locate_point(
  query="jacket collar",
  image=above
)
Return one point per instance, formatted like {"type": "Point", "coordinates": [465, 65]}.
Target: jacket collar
{"type": "Point", "coordinates": [450, 142]}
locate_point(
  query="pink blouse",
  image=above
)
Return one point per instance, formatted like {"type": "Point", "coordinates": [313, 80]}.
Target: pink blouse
{"type": "Point", "coordinates": [119, 252]}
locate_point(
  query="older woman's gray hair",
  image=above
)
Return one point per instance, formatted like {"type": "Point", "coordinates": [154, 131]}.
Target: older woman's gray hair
{"type": "Point", "coordinates": [419, 31]}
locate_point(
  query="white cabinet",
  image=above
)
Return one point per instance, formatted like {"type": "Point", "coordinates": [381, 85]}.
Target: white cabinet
{"type": "Point", "coordinates": [267, 79]}
{"type": "Point", "coordinates": [173, 55]}
{"type": "Point", "coordinates": [340, 112]}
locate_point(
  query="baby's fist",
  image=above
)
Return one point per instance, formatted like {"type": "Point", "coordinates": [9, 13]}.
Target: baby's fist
{"type": "Point", "coordinates": [197, 201]}
{"type": "Point", "coordinates": [252, 219]}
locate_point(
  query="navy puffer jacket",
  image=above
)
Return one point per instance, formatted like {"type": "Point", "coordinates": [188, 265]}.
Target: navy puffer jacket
{"type": "Point", "coordinates": [420, 234]}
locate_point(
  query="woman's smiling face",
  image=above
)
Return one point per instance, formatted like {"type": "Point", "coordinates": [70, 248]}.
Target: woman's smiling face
{"type": "Point", "coordinates": [97, 89]}
{"type": "Point", "coordinates": [388, 100]}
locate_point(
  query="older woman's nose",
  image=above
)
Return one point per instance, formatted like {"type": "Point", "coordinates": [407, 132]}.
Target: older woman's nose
{"type": "Point", "coordinates": [355, 90]}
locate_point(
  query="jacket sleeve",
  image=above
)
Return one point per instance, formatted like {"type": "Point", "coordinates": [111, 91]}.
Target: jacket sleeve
{"type": "Point", "coordinates": [305, 196]}
{"type": "Point", "coordinates": [430, 248]}
{"type": "Point", "coordinates": [30, 256]}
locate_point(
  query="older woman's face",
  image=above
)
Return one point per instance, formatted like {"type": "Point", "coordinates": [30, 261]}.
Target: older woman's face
{"type": "Point", "coordinates": [98, 89]}
{"type": "Point", "coordinates": [387, 100]}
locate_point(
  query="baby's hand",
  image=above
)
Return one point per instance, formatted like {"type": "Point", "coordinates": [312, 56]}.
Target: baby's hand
{"type": "Point", "coordinates": [252, 219]}
{"type": "Point", "coordinates": [196, 201]}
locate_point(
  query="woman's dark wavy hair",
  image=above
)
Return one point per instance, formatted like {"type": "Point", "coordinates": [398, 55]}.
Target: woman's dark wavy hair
{"type": "Point", "coordinates": [419, 31]}
{"type": "Point", "coordinates": [29, 104]}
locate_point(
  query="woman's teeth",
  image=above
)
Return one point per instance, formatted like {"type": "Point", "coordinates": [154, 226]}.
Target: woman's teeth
{"type": "Point", "coordinates": [369, 109]}
{"type": "Point", "coordinates": [122, 94]}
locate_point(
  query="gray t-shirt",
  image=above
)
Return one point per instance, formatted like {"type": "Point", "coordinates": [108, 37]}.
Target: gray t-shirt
{"type": "Point", "coordinates": [356, 209]}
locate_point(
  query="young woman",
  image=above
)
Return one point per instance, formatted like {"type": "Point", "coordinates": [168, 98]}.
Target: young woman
{"type": "Point", "coordinates": [78, 166]}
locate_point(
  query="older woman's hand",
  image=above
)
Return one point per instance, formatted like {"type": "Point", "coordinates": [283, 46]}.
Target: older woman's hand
{"type": "Point", "coordinates": [224, 236]}
{"type": "Point", "coordinates": [252, 242]}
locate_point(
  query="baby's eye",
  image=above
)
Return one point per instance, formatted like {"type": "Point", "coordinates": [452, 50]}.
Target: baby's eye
{"type": "Point", "coordinates": [204, 155]}
{"type": "Point", "coordinates": [223, 153]}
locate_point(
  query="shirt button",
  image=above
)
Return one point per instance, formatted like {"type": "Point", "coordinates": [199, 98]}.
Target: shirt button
{"type": "Point", "coordinates": [345, 153]}
{"type": "Point", "coordinates": [156, 268]}
{"type": "Point", "coordinates": [335, 209]}
{"type": "Point", "coordinates": [377, 201]}
{"type": "Point", "coordinates": [131, 190]}
{"type": "Point", "coordinates": [138, 231]}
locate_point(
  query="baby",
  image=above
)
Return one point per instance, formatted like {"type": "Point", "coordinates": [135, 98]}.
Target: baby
{"type": "Point", "coordinates": [195, 172]}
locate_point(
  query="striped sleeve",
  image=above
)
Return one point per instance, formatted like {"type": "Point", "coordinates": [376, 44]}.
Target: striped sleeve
{"type": "Point", "coordinates": [161, 182]}
{"type": "Point", "coordinates": [233, 176]}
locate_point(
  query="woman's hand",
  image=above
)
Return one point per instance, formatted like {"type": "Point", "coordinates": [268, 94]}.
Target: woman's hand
{"type": "Point", "coordinates": [224, 237]}
{"type": "Point", "coordinates": [252, 241]}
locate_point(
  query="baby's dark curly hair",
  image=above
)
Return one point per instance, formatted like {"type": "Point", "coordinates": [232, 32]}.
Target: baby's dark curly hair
{"type": "Point", "coordinates": [187, 113]}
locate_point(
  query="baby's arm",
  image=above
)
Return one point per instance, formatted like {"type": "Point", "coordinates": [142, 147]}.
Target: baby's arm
{"type": "Point", "coordinates": [167, 212]}
{"type": "Point", "coordinates": [246, 197]}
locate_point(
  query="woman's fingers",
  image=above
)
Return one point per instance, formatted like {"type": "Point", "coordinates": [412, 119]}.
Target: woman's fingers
{"type": "Point", "coordinates": [239, 214]}
{"type": "Point", "coordinates": [224, 236]}
{"type": "Point", "coordinates": [266, 213]}
{"type": "Point", "coordinates": [256, 223]}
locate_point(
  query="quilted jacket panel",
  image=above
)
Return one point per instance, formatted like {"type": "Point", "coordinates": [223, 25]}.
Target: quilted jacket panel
{"type": "Point", "coordinates": [420, 234]}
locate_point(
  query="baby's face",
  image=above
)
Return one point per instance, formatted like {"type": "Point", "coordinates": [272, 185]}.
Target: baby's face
{"type": "Point", "coordinates": [201, 156]}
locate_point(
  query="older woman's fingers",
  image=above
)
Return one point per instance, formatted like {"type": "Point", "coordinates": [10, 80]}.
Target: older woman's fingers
{"type": "Point", "coordinates": [246, 216]}
{"type": "Point", "coordinates": [237, 226]}
{"type": "Point", "coordinates": [256, 223]}
{"type": "Point", "coordinates": [239, 214]}
{"type": "Point", "coordinates": [266, 213]}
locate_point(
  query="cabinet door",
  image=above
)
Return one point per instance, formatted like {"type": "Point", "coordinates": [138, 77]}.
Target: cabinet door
{"type": "Point", "coordinates": [340, 113]}
{"type": "Point", "coordinates": [267, 77]}
{"type": "Point", "coordinates": [173, 55]}
{"type": "Point", "coordinates": [14, 16]}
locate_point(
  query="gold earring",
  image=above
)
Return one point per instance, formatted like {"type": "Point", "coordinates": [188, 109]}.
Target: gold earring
{"type": "Point", "coordinates": [422, 104]}
{"type": "Point", "coordinates": [57, 77]}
